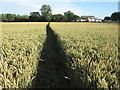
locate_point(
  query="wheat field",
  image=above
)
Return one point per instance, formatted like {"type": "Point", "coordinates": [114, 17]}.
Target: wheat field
{"type": "Point", "coordinates": [91, 50]}
{"type": "Point", "coordinates": [20, 43]}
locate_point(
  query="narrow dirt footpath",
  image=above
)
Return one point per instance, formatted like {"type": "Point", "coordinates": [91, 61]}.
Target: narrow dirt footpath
{"type": "Point", "coordinates": [52, 72]}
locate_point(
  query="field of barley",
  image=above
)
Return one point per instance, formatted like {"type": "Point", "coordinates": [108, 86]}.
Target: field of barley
{"type": "Point", "coordinates": [90, 55]}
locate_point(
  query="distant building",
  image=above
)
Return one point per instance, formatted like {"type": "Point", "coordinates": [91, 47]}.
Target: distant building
{"type": "Point", "coordinates": [98, 20]}
{"type": "Point", "coordinates": [87, 19]}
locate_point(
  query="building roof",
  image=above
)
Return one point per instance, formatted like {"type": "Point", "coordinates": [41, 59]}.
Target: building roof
{"type": "Point", "coordinates": [86, 17]}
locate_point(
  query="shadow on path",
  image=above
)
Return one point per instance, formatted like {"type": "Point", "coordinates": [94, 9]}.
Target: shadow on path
{"type": "Point", "coordinates": [52, 72]}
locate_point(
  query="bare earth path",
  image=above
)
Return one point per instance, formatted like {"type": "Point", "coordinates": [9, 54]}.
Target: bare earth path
{"type": "Point", "coordinates": [51, 69]}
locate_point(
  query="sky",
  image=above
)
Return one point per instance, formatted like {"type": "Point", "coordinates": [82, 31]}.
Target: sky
{"type": "Point", "coordinates": [97, 8]}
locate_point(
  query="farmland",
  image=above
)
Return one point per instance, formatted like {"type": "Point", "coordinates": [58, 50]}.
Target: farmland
{"type": "Point", "coordinates": [20, 42]}
{"type": "Point", "coordinates": [89, 50]}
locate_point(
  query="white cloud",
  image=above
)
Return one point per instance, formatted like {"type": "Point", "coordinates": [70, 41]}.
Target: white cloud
{"type": "Point", "coordinates": [30, 4]}
{"type": "Point", "coordinates": [60, 0]}
{"type": "Point", "coordinates": [57, 8]}
{"type": "Point", "coordinates": [35, 0]}
{"type": "Point", "coordinates": [61, 8]}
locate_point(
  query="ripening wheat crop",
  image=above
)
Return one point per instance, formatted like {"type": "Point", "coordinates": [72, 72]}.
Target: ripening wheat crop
{"type": "Point", "coordinates": [20, 42]}
{"type": "Point", "coordinates": [92, 50]}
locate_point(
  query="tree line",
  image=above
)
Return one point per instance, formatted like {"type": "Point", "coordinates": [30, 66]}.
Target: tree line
{"type": "Point", "coordinates": [13, 18]}
{"type": "Point", "coordinates": [45, 15]}
{"type": "Point", "coordinates": [114, 17]}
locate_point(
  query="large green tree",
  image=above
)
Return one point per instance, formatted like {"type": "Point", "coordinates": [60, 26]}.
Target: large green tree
{"type": "Point", "coordinates": [107, 18]}
{"type": "Point", "coordinates": [58, 18]}
{"type": "Point", "coordinates": [115, 16]}
{"type": "Point", "coordinates": [10, 17]}
{"type": "Point", "coordinates": [4, 17]}
{"type": "Point", "coordinates": [34, 16]}
{"type": "Point", "coordinates": [46, 12]}
{"type": "Point", "coordinates": [76, 17]}
{"type": "Point", "coordinates": [70, 16]}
